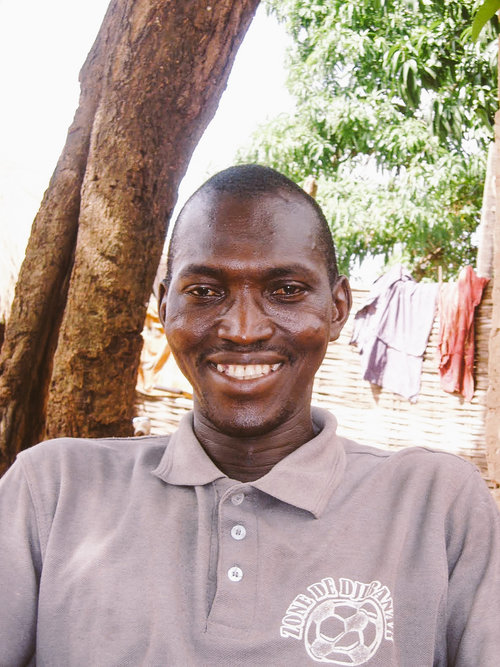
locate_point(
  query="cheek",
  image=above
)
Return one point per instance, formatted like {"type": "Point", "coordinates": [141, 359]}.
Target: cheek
{"type": "Point", "coordinates": [184, 347]}
{"type": "Point", "coordinates": [182, 327]}
{"type": "Point", "coordinates": [310, 331]}
{"type": "Point", "coordinates": [181, 333]}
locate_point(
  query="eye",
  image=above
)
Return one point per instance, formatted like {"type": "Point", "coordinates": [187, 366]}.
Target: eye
{"type": "Point", "coordinates": [289, 290]}
{"type": "Point", "coordinates": [203, 292]}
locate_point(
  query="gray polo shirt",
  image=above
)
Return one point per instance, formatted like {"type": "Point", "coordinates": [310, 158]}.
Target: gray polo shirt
{"type": "Point", "coordinates": [141, 552]}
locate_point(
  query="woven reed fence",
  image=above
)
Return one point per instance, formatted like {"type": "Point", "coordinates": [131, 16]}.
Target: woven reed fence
{"type": "Point", "coordinates": [163, 409]}
{"type": "Point", "coordinates": [369, 414]}
{"type": "Point", "coordinates": [439, 420]}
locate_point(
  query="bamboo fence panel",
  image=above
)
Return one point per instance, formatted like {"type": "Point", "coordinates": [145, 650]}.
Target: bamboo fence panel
{"type": "Point", "coordinates": [438, 420]}
{"type": "Point", "coordinates": [163, 409]}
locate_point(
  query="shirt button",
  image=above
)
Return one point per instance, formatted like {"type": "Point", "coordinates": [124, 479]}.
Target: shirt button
{"type": "Point", "coordinates": [235, 573]}
{"type": "Point", "coordinates": [238, 532]}
{"type": "Point", "coordinates": [238, 498]}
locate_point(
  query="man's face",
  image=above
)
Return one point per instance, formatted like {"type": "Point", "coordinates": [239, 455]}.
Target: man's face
{"type": "Point", "coordinates": [249, 310]}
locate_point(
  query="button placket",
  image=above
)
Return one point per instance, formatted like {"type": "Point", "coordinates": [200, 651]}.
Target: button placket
{"type": "Point", "coordinates": [238, 533]}
{"type": "Point", "coordinates": [237, 562]}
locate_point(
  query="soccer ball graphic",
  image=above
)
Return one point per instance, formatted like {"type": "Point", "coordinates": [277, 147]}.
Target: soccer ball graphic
{"type": "Point", "coordinates": [344, 632]}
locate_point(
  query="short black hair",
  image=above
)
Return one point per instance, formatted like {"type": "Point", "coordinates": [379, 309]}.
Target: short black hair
{"type": "Point", "coordinates": [253, 181]}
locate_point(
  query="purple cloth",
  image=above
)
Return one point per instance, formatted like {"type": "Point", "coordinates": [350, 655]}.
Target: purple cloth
{"type": "Point", "coordinates": [392, 329]}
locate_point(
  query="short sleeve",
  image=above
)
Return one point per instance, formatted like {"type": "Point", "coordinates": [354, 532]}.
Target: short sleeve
{"type": "Point", "coordinates": [20, 566]}
{"type": "Point", "coordinates": [473, 604]}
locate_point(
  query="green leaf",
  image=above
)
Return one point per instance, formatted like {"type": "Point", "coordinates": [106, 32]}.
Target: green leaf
{"type": "Point", "coordinates": [486, 12]}
{"type": "Point", "coordinates": [393, 115]}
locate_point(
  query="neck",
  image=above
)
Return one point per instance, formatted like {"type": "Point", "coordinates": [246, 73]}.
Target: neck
{"type": "Point", "coordinates": [246, 458]}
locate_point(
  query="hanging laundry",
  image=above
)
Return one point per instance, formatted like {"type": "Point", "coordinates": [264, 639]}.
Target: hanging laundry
{"type": "Point", "coordinates": [457, 304]}
{"type": "Point", "coordinates": [392, 329]}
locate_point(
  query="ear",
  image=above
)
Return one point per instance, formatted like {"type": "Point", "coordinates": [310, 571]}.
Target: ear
{"type": "Point", "coordinates": [162, 301]}
{"type": "Point", "coordinates": [342, 302]}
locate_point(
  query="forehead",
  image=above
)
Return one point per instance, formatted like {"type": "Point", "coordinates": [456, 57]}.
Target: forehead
{"type": "Point", "coordinates": [270, 229]}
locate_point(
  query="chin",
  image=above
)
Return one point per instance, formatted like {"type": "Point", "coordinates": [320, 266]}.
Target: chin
{"type": "Point", "coordinates": [245, 422]}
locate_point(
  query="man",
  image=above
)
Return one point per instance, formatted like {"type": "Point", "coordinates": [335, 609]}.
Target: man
{"type": "Point", "coordinates": [254, 535]}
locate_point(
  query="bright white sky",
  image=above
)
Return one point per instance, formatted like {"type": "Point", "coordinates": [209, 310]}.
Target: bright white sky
{"type": "Point", "coordinates": [43, 44]}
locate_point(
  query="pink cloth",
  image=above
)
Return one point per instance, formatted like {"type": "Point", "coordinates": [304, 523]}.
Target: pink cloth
{"type": "Point", "coordinates": [457, 304]}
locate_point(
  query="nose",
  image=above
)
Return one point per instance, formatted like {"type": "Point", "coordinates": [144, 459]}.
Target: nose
{"type": "Point", "coordinates": [244, 322]}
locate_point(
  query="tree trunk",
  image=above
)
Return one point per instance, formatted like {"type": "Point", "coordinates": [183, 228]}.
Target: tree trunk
{"type": "Point", "coordinates": [486, 229]}
{"type": "Point", "coordinates": [150, 85]}
{"type": "Point", "coordinates": [493, 395]}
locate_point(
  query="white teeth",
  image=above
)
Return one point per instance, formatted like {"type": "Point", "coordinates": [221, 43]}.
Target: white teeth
{"type": "Point", "coordinates": [240, 371]}
{"type": "Point", "coordinates": [246, 372]}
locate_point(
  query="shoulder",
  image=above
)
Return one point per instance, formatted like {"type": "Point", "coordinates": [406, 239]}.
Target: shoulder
{"type": "Point", "coordinates": [417, 469]}
{"type": "Point", "coordinates": [82, 458]}
{"type": "Point", "coordinates": [408, 457]}
{"type": "Point", "coordinates": [82, 447]}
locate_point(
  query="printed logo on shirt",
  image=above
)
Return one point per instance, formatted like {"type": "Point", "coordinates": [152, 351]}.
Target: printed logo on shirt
{"type": "Point", "coordinates": [341, 622]}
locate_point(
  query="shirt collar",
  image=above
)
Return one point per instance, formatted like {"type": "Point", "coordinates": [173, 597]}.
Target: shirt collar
{"type": "Point", "coordinates": [184, 462]}
{"type": "Point", "coordinates": [306, 478]}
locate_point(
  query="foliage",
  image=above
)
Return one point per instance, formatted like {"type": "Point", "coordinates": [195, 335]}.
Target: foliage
{"type": "Point", "coordinates": [484, 14]}
{"type": "Point", "coordinates": [394, 112]}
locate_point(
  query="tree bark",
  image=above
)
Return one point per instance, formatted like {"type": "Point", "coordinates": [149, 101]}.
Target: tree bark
{"type": "Point", "coordinates": [486, 227]}
{"type": "Point", "coordinates": [150, 85]}
{"type": "Point", "coordinates": [493, 395]}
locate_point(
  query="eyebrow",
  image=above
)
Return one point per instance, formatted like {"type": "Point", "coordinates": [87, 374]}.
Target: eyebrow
{"type": "Point", "coordinates": [200, 269]}
{"type": "Point", "coordinates": [284, 271]}
{"type": "Point", "coordinates": [269, 274]}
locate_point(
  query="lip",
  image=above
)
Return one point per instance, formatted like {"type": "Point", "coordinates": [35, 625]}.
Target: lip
{"type": "Point", "coordinates": [232, 384]}
{"type": "Point", "coordinates": [245, 367]}
{"type": "Point", "coordinates": [247, 372]}
{"type": "Point", "coordinates": [264, 358]}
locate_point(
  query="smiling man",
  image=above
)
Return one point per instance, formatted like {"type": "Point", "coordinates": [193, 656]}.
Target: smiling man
{"type": "Point", "coordinates": [254, 535]}
{"type": "Point", "coordinates": [251, 301]}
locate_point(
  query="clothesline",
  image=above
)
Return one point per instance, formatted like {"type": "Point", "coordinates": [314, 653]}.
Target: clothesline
{"type": "Point", "coordinates": [392, 329]}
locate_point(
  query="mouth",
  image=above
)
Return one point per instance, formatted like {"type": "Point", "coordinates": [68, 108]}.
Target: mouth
{"type": "Point", "coordinates": [247, 371]}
